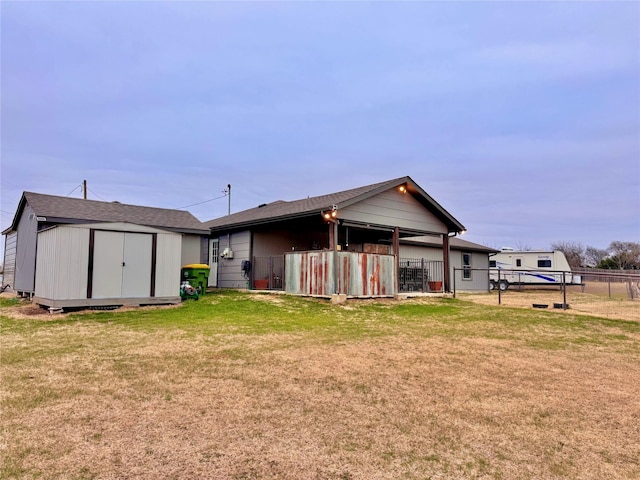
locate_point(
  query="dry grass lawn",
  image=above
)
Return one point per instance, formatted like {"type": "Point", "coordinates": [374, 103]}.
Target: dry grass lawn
{"type": "Point", "coordinates": [426, 388]}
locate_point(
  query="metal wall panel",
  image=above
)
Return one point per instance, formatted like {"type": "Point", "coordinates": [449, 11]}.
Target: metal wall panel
{"type": "Point", "coordinates": [168, 264]}
{"type": "Point", "coordinates": [359, 274]}
{"type": "Point", "coordinates": [10, 242]}
{"type": "Point", "coordinates": [26, 251]}
{"type": "Point", "coordinates": [62, 263]}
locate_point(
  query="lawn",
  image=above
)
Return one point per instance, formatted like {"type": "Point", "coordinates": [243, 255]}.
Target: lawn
{"type": "Point", "coordinates": [245, 386]}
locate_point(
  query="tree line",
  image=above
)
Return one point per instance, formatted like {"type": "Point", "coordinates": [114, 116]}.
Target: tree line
{"type": "Point", "coordinates": [618, 256]}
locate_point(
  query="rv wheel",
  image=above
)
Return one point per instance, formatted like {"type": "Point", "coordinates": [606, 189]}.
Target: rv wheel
{"type": "Point", "coordinates": [492, 285]}
{"type": "Point", "coordinates": [503, 285]}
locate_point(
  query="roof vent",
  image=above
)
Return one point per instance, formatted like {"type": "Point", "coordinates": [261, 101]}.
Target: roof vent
{"type": "Point", "coordinates": [262, 205]}
{"type": "Point", "coordinates": [116, 201]}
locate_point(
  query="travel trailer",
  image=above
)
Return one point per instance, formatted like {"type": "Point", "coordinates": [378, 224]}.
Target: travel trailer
{"type": "Point", "coordinates": [529, 268]}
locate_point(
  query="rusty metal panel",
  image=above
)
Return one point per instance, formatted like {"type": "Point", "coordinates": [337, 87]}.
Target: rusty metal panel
{"type": "Point", "coordinates": [359, 274]}
{"type": "Point", "coordinates": [366, 274]}
{"type": "Point", "coordinates": [309, 273]}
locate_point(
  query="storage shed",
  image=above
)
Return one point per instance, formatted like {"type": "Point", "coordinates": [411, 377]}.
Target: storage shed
{"type": "Point", "coordinates": [107, 264]}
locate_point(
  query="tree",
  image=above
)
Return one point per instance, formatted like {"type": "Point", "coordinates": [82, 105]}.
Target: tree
{"type": "Point", "coordinates": [593, 256]}
{"type": "Point", "coordinates": [625, 254]}
{"type": "Point", "coordinates": [574, 252]}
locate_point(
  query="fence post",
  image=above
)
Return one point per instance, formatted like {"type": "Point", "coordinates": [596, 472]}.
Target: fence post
{"type": "Point", "coordinates": [564, 291]}
{"type": "Point", "coordinates": [454, 282]}
{"type": "Point", "coordinates": [499, 290]}
{"type": "Point", "coordinates": [422, 273]}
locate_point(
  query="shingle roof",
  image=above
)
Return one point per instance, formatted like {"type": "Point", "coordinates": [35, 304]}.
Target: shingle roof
{"type": "Point", "coordinates": [455, 242]}
{"type": "Point", "coordinates": [73, 210]}
{"type": "Point", "coordinates": [282, 210]}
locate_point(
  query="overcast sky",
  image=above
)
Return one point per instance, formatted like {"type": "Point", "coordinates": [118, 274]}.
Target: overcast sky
{"type": "Point", "coordinates": [521, 119]}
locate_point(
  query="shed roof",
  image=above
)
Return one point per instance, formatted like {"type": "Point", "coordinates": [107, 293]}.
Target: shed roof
{"type": "Point", "coordinates": [76, 210]}
{"type": "Point", "coordinates": [283, 210]}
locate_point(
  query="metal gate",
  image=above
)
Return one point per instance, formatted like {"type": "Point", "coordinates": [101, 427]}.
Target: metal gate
{"type": "Point", "coordinates": [268, 273]}
{"type": "Point", "coordinates": [420, 275]}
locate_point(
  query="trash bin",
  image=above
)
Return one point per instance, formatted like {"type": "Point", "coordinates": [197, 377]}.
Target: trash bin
{"type": "Point", "coordinates": [197, 274]}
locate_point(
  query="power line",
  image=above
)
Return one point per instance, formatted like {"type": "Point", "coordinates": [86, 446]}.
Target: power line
{"type": "Point", "coordinates": [200, 203]}
{"type": "Point", "coordinates": [96, 194]}
{"type": "Point", "coordinates": [79, 186]}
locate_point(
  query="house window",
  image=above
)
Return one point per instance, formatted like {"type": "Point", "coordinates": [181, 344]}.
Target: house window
{"type": "Point", "coordinates": [466, 266]}
{"type": "Point", "coordinates": [492, 264]}
{"type": "Point", "coordinates": [544, 263]}
{"type": "Point", "coordinates": [518, 262]}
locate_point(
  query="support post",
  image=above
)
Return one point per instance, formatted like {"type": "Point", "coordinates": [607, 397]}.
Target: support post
{"type": "Point", "coordinates": [396, 252]}
{"type": "Point", "coordinates": [446, 261]}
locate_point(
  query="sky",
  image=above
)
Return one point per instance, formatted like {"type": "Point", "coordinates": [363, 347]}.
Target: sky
{"type": "Point", "coordinates": [521, 119]}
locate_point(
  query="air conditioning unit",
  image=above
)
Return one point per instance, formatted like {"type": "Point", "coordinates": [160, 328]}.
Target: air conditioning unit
{"type": "Point", "coordinates": [227, 253]}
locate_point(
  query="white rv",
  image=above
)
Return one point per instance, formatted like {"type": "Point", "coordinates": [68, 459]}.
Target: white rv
{"type": "Point", "coordinates": [529, 268]}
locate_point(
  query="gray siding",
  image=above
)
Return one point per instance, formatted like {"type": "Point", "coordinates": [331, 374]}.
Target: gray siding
{"type": "Point", "coordinates": [190, 249]}
{"type": "Point", "coordinates": [229, 273]}
{"type": "Point", "coordinates": [26, 252]}
{"type": "Point", "coordinates": [414, 251]}
{"type": "Point", "coordinates": [395, 209]}
{"type": "Point", "coordinates": [479, 279]}
{"type": "Point", "coordinates": [204, 250]}
{"type": "Point", "coordinates": [10, 259]}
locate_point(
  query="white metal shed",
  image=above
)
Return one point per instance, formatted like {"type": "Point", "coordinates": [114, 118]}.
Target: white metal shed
{"type": "Point", "coordinates": [106, 264]}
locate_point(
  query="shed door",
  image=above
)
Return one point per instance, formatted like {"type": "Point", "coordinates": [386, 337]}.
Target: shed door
{"type": "Point", "coordinates": [107, 264]}
{"type": "Point", "coordinates": [136, 265]}
{"type": "Point", "coordinates": [121, 265]}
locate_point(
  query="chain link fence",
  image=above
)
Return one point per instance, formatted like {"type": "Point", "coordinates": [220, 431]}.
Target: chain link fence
{"type": "Point", "coordinates": [609, 294]}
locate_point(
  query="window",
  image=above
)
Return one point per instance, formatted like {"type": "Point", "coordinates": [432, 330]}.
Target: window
{"type": "Point", "coordinates": [544, 263]}
{"type": "Point", "coordinates": [492, 264]}
{"type": "Point", "coordinates": [518, 262]}
{"type": "Point", "coordinates": [466, 266]}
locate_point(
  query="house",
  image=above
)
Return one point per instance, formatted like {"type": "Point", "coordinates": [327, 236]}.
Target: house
{"type": "Point", "coordinates": [89, 246]}
{"type": "Point", "coordinates": [345, 242]}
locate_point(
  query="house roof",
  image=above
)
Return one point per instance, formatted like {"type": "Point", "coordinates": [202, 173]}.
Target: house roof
{"type": "Point", "coordinates": [57, 209]}
{"type": "Point", "coordinates": [283, 210]}
{"type": "Point", "coordinates": [455, 243]}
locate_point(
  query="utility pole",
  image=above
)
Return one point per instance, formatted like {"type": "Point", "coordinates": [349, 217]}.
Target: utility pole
{"type": "Point", "coordinates": [229, 192]}
{"type": "Point", "coordinates": [84, 188]}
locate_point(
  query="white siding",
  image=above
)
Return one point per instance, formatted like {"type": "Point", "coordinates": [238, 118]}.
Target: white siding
{"type": "Point", "coordinates": [395, 209]}
{"type": "Point", "coordinates": [229, 273]}
{"type": "Point", "coordinates": [168, 265]}
{"type": "Point", "coordinates": [62, 263]}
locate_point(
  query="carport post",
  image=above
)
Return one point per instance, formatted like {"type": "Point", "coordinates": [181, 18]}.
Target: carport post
{"type": "Point", "coordinates": [396, 252]}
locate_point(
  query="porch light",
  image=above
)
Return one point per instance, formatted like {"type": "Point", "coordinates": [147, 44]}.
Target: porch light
{"type": "Point", "coordinates": [327, 216]}
{"type": "Point", "coordinates": [402, 188]}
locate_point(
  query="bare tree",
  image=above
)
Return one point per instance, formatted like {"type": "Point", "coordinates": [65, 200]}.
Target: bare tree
{"type": "Point", "coordinates": [593, 256]}
{"type": "Point", "coordinates": [626, 255]}
{"type": "Point", "coordinates": [574, 252]}
{"type": "Point", "coordinates": [523, 247]}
